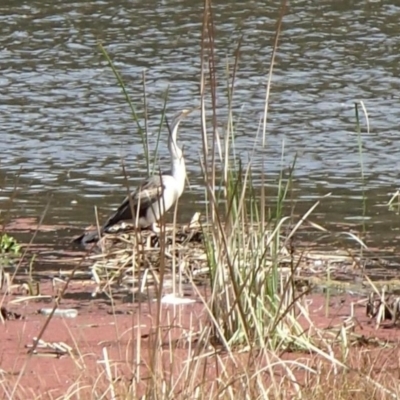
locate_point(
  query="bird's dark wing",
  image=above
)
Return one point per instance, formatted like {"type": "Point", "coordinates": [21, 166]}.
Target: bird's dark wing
{"type": "Point", "coordinates": [87, 237]}
{"type": "Point", "coordinates": [145, 196]}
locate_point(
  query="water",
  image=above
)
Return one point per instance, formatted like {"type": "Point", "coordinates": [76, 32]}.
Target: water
{"type": "Point", "coordinates": [66, 125]}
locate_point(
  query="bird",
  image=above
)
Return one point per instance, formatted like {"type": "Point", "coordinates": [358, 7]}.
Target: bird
{"type": "Point", "coordinates": [154, 197]}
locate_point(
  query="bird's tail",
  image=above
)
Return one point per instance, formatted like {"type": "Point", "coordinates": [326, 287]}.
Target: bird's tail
{"type": "Point", "coordinates": [87, 237]}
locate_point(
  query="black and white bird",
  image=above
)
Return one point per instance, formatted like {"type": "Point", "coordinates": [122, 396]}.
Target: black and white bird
{"type": "Point", "coordinates": [155, 196]}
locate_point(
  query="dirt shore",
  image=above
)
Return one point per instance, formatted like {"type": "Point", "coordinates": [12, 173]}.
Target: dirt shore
{"type": "Point", "coordinates": [102, 326]}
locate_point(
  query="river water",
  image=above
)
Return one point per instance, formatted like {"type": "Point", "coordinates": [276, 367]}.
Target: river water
{"type": "Point", "coordinates": [66, 125]}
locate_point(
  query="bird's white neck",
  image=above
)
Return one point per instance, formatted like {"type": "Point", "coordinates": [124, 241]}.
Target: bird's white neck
{"type": "Point", "coordinates": [178, 168]}
{"type": "Point", "coordinates": [178, 171]}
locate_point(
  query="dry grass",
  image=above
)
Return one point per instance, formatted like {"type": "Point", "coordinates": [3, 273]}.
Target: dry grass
{"type": "Point", "coordinates": [179, 361]}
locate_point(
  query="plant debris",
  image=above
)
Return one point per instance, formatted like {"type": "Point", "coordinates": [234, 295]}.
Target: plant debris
{"type": "Point", "coordinates": [10, 315]}
{"type": "Point", "coordinates": [50, 349]}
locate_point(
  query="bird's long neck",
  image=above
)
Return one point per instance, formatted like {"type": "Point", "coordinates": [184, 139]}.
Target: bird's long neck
{"type": "Point", "coordinates": [178, 171]}
{"type": "Point", "coordinates": [178, 167]}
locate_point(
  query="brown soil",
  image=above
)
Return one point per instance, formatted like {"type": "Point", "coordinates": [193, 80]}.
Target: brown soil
{"type": "Point", "coordinates": [113, 328]}
{"type": "Point", "coordinates": [98, 326]}
{"type": "Point", "coordinates": [101, 325]}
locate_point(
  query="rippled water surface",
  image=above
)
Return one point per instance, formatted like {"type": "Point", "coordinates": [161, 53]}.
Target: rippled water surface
{"type": "Point", "coordinates": [66, 125]}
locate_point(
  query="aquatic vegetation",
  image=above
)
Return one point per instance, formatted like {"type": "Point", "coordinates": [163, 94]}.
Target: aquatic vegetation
{"type": "Point", "coordinates": [9, 245]}
{"type": "Point", "coordinates": [10, 250]}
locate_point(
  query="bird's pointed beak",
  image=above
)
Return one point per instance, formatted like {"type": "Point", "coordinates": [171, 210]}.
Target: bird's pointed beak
{"type": "Point", "coordinates": [178, 118]}
{"type": "Point", "coordinates": [182, 114]}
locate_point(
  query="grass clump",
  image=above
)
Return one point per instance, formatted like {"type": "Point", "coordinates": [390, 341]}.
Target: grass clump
{"type": "Point", "coordinates": [9, 248]}
{"type": "Point", "coordinates": [252, 303]}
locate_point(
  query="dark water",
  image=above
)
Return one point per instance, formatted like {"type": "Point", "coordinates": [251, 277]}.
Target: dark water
{"type": "Point", "coordinates": [66, 125]}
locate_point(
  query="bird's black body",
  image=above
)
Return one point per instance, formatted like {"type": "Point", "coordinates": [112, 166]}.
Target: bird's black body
{"type": "Point", "coordinates": [147, 197]}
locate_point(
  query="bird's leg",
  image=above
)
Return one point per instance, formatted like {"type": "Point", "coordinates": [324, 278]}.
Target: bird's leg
{"type": "Point", "coordinates": [155, 228]}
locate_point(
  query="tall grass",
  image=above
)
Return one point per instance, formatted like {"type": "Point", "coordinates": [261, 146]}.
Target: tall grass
{"type": "Point", "coordinates": [250, 299]}
{"type": "Point", "coordinates": [142, 132]}
{"type": "Point", "coordinates": [361, 155]}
